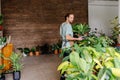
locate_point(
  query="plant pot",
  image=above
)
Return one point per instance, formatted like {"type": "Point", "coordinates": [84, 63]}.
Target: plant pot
{"type": "Point", "coordinates": [2, 77]}
{"type": "Point", "coordinates": [16, 75]}
{"type": "Point", "coordinates": [56, 51]}
{"type": "Point", "coordinates": [60, 50]}
{"type": "Point", "coordinates": [31, 54]}
{"type": "Point", "coordinates": [37, 53]}
{"type": "Point", "coordinates": [118, 45]}
{"type": "Point", "coordinates": [62, 77]}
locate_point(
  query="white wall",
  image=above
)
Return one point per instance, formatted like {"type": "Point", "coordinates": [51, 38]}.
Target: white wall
{"type": "Point", "coordinates": [100, 14]}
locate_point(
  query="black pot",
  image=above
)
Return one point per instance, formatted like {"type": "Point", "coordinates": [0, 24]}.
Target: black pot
{"type": "Point", "coordinates": [2, 77]}
{"type": "Point", "coordinates": [16, 75]}
{"type": "Point", "coordinates": [62, 77]}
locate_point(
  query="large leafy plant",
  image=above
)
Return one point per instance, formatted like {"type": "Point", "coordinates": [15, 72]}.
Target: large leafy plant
{"type": "Point", "coordinates": [101, 41]}
{"type": "Point", "coordinates": [80, 29]}
{"type": "Point", "coordinates": [86, 63]}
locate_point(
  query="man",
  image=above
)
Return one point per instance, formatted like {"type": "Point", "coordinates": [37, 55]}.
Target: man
{"type": "Point", "coordinates": [67, 33]}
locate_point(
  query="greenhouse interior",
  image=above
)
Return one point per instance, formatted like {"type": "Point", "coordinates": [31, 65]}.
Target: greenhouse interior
{"type": "Point", "coordinates": [59, 39]}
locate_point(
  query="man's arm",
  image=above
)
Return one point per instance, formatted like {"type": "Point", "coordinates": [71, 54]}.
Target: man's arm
{"type": "Point", "coordinates": [68, 37]}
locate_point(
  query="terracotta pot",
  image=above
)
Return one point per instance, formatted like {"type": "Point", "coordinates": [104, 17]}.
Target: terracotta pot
{"type": "Point", "coordinates": [118, 45]}
{"type": "Point", "coordinates": [31, 54]}
{"type": "Point", "coordinates": [60, 50]}
{"type": "Point", "coordinates": [56, 51]}
{"type": "Point", "coordinates": [37, 53]}
{"type": "Point", "coordinates": [1, 28]}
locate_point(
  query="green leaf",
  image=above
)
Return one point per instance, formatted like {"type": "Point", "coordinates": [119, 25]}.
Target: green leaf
{"type": "Point", "coordinates": [117, 62]}
{"type": "Point", "coordinates": [63, 65]}
{"type": "Point", "coordinates": [65, 58]}
{"type": "Point", "coordinates": [83, 65]}
{"type": "Point", "coordinates": [102, 74]}
{"type": "Point", "coordinates": [87, 55]}
{"type": "Point", "coordinates": [74, 58]}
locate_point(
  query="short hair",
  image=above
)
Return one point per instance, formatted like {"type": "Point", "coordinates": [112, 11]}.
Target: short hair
{"type": "Point", "coordinates": [67, 15]}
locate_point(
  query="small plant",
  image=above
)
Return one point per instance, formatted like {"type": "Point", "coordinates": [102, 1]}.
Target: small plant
{"type": "Point", "coordinates": [55, 48]}
{"type": "Point", "coordinates": [38, 50]}
{"type": "Point", "coordinates": [32, 51]}
{"type": "Point", "coordinates": [16, 65]}
{"type": "Point", "coordinates": [24, 50]}
{"type": "Point", "coordinates": [16, 61]}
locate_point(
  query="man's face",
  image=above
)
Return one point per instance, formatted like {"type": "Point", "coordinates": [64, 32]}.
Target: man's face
{"type": "Point", "coordinates": [70, 18]}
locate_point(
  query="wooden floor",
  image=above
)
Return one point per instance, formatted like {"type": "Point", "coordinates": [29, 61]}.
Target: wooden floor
{"type": "Point", "coordinates": [43, 67]}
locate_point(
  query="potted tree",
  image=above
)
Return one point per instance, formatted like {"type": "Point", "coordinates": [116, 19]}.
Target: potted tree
{"type": "Point", "coordinates": [16, 65]}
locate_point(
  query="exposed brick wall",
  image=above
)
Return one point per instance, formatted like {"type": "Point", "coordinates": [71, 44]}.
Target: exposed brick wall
{"type": "Point", "coordinates": [33, 22]}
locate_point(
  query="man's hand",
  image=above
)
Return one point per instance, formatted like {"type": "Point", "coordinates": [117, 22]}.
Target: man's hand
{"type": "Point", "coordinates": [80, 38]}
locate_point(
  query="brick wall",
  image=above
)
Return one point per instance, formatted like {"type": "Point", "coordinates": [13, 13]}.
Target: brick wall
{"type": "Point", "coordinates": [33, 22]}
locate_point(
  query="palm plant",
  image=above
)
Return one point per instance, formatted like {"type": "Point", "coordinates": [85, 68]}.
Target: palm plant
{"type": "Point", "coordinates": [16, 65]}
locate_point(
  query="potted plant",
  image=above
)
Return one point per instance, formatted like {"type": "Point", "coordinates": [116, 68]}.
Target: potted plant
{"type": "Point", "coordinates": [24, 51]}
{"type": "Point", "coordinates": [55, 48]}
{"type": "Point", "coordinates": [37, 52]}
{"type": "Point", "coordinates": [16, 65]}
{"type": "Point", "coordinates": [59, 46]}
{"type": "Point", "coordinates": [32, 51]}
